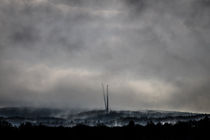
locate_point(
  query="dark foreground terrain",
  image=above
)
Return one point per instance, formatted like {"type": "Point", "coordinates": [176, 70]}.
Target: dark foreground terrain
{"type": "Point", "coordinates": [182, 130]}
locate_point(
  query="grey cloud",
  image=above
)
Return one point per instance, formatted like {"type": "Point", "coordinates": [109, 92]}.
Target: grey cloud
{"type": "Point", "coordinates": [58, 52]}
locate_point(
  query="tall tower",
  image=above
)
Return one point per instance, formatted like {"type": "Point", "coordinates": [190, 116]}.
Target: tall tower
{"type": "Point", "coordinates": [106, 97]}
{"type": "Point", "coordinates": [105, 102]}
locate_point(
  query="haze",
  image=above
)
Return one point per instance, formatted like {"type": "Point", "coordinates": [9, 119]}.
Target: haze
{"type": "Point", "coordinates": [153, 54]}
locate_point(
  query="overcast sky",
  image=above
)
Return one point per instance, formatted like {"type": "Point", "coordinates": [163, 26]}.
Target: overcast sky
{"type": "Point", "coordinates": [154, 54]}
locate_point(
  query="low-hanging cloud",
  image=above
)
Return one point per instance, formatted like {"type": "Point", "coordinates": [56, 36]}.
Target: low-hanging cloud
{"type": "Point", "coordinates": [154, 54]}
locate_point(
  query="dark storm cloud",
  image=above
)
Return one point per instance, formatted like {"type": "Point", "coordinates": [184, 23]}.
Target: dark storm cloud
{"type": "Point", "coordinates": [153, 53]}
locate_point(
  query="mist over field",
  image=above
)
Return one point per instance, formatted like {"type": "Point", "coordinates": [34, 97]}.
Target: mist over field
{"type": "Point", "coordinates": [153, 54]}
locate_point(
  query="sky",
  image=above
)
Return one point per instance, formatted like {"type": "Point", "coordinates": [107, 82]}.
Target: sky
{"type": "Point", "coordinates": [153, 54]}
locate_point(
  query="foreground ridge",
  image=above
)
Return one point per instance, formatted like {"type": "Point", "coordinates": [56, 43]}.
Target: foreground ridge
{"type": "Point", "coordinates": [182, 130]}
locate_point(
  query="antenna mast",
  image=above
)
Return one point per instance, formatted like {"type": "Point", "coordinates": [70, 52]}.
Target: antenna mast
{"type": "Point", "coordinates": [107, 98]}
{"type": "Point", "coordinates": [104, 95]}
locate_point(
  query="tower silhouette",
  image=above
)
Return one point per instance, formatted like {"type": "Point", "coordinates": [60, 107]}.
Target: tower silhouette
{"type": "Point", "coordinates": [106, 97]}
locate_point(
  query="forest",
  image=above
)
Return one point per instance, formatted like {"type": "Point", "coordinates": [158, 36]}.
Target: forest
{"type": "Point", "coordinates": [182, 130]}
